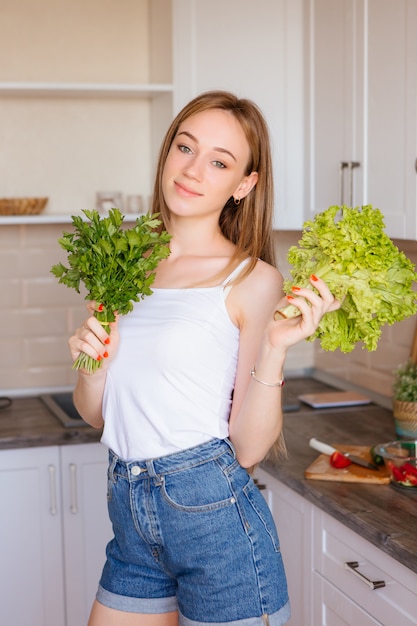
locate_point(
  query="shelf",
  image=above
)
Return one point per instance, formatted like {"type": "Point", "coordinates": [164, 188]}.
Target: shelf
{"type": "Point", "coordinates": [16, 220]}
{"type": "Point", "coordinates": [123, 90]}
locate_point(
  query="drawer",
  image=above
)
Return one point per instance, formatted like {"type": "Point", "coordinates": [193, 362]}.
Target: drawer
{"type": "Point", "coordinates": [334, 546]}
{"type": "Point", "coordinates": [334, 608]}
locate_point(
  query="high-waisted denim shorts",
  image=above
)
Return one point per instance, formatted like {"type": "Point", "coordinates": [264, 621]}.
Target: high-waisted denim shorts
{"type": "Point", "coordinates": [193, 533]}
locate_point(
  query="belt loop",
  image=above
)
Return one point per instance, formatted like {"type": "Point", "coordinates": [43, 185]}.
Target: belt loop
{"type": "Point", "coordinates": [151, 469]}
{"type": "Point", "coordinates": [152, 473]}
{"type": "Point", "coordinates": [113, 458]}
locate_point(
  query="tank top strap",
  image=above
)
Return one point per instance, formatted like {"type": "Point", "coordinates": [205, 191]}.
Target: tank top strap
{"type": "Point", "coordinates": [235, 272]}
{"type": "Point", "coordinates": [226, 283]}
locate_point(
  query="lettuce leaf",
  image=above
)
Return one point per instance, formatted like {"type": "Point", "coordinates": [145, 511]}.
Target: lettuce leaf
{"type": "Point", "coordinates": [348, 248]}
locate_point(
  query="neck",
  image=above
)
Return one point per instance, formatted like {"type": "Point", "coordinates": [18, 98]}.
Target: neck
{"type": "Point", "coordinates": [197, 238]}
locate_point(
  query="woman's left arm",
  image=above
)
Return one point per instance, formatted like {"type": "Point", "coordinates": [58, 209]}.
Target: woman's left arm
{"type": "Point", "coordinates": [256, 415]}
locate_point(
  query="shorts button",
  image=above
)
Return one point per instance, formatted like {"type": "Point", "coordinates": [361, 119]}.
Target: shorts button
{"type": "Point", "coordinates": [136, 470]}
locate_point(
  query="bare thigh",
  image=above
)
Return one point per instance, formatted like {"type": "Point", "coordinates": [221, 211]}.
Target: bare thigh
{"type": "Point", "coordinates": [104, 616]}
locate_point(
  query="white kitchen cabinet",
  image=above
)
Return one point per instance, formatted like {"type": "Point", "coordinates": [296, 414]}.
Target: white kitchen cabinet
{"type": "Point", "coordinates": [256, 53]}
{"type": "Point", "coordinates": [363, 108]}
{"type": "Point", "coordinates": [31, 572]}
{"type": "Point", "coordinates": [323, 591]}
{"type": "Point", "coordinates": [333, 608]}
{"type": "Point", "coordinates": [346, 593]}
{"type": "Point", "coordinates": [53, 529]}
{"type": "Point", "coordinates": [293, 518]}
{"type": "Point", "coordinates": [333, 101]}
{"type": "Point", "coordinates": [86, 525]}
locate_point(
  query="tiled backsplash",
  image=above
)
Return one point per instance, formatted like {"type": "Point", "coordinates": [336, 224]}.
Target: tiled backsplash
{"type": "Point", "coordinates": [37, 315]}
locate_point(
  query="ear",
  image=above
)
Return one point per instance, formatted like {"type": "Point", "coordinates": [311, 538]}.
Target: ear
{"type": "Point", "coordinates": [246, 185]}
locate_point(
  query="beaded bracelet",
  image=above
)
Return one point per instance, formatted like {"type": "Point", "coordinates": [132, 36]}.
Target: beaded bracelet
{"type": "Point", "coordinates": [280, 383]}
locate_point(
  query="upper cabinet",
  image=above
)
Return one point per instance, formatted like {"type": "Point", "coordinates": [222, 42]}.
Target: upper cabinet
{"type": "Point", "coordinates": [257, 53]}
{"type": "Point", "coordinates": [362, 103]}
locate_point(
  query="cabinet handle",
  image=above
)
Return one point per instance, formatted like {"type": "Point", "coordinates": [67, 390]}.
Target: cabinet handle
{"type": "Point", "coordinates": [352, 166]}
{"type": "Point", "coordinates": [73, 483]}
{"type": "Point", "coordinates": [352, 566]}
{"type": "Point", "coordinates": [52, 489]}
{"type": "Point", "coordinates": [343, 166]}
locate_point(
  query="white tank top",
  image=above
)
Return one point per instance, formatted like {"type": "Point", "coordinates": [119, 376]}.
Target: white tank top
{"type": "Point", "coordinates": [170, 385]}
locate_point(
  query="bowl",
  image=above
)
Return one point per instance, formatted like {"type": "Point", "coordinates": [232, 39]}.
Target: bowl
{"type": "Point", "coordinates": [400, 458]}
{"type": "Point", "coordinates": [22, 206]}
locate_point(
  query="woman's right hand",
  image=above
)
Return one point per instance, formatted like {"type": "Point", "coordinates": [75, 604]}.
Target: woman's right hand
{"type": "Point", "coordinates": [92, 339]}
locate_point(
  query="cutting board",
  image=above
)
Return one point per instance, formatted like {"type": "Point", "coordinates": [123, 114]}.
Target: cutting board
{"type": "Point", "coordinates": [321, 469]}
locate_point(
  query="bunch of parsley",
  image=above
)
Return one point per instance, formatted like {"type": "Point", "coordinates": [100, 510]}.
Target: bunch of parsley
{"type": "Point", "coordinates": [349, 250]}
{"type": "Point", "coordinates": [115, 264]}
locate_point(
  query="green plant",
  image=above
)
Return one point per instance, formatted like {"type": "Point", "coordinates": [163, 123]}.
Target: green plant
{"type": "Point", "coordinates": [405, 382]}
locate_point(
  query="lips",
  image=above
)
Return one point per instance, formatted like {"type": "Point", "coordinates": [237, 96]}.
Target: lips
{"type": "Point", "coordinates": [186, 191]}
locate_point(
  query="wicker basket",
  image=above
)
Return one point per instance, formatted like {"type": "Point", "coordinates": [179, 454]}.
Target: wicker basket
{"type": "Point", "coordinates": [405, 417]}
{"type": "Point", "coordinates": [22, 206]}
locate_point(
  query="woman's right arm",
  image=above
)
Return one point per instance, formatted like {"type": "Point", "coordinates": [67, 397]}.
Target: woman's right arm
{"type": "Point", "coordinates": [92, 339]}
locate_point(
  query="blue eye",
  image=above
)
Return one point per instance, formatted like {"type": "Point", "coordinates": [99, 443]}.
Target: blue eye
{"type": "Point", "coordinates": [184, 149]}
{"type": "Point", "coordinates": [219, 164]}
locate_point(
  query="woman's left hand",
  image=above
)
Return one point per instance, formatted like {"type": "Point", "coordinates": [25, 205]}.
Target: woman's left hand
{"type": "Point", "coordinates": [283, 332]}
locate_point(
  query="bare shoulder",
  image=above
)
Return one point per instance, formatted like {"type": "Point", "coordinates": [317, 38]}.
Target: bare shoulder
{"type": "Point", "coordinates": [257, 294]}
{"type": "Point", "coordinates": [263, 276]}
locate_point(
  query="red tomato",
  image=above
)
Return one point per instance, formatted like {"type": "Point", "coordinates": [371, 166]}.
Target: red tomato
{"type": "Point", "coordinates": [339, 460]}
{"type": "Point", "coordinates": [405, 474]}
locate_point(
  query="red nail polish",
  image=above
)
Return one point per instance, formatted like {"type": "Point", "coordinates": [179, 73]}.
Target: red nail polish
{"type": "Point", "coordinates": [295, 288]}
{"type": "Point", "coordinates": [314, 277]}
{"type": "Point", "coordinates": [290, 297]}
{"type": "Point", "coordinates": [99, 357]}
{"type": "Point", "coordinates": [107, 341]}
{"type": "Point", "coordinates": [100, 307]}
{"type": "Point", "coordinates": [105, 354]}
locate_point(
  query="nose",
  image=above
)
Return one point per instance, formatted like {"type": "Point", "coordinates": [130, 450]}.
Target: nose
{"type": "Point", "coordinates": [194, 168]}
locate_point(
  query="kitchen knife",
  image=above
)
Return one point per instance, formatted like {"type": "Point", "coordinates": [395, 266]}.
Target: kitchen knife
{"type": "Point", "coordinates": [325, 448]}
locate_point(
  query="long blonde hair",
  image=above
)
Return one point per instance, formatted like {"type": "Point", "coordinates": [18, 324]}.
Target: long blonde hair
{"type": "Point", "coordinates": [248, 225]}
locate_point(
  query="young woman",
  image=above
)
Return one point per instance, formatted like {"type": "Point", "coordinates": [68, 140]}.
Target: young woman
{"type": "Point", "coordinates": [190, 389]}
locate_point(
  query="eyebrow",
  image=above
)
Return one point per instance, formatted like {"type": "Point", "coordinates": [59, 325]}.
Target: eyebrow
{"type": "Point", "coordinates": [216, 148]}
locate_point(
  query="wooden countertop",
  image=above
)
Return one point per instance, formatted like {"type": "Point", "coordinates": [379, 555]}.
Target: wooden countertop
{"type": "Point", "coordinates": [381, 514]}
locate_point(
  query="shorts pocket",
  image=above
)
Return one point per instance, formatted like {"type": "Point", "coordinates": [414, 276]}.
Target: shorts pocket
{"type": "Point", "coordinates": [198, 489]}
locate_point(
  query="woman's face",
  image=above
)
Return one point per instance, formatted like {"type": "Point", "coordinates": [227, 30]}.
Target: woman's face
{"type": "Point", "coordinates": [206, 164]}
